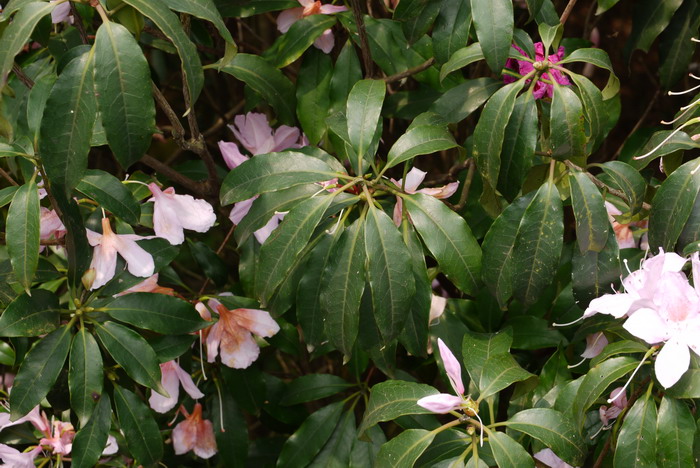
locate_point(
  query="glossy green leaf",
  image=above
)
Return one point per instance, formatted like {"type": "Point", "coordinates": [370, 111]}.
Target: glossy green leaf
{"type": "Point", "coordinates": [493, 21]}
{"type": "Point", "coordinates": [123, 84]}
{"type": "Point", "coordinates": [414, 336]}
{"type": "Point", "coordinates": [567, 135]}
{"type": "Point", "coordinates": [675, 428]}
{"type": "Point", "coordinates": [422, 139]}
{"type": "Point", "coordinates": [169, 23]}
{"type": "Point", "coordinates": [448, 238]}
{"type": "Point", "coordinates": [6, 194]}
{"type": "Point", "coordinates": [211, 264]}
{"type": "Point", "coordinates": [592, 222]}
{"type": "Point", "coordinates": [346, 73]}
{"type": "Point", "coordinates": [600, 59]}
{"type": "Point", "coordinates": [538, 244]}
{"type": "Point", "coordinates": [393, 398]}
{"type": "Point", "coordinates": [111, 194]}
{"type": "Point", "coordinates": [416, 17]}
{"type": "Point", "coordinates": [169, 347]}
{"type": "Point", "coordinates": [312, 387]}
{"type": "Point", "coordinates": [22, 233]}
{"type": "Point", "coordinates": [674, 51]}
{"type": "Point", "coordinates": [313, 93]}
{"type": "Point", "coordinates": [519, 146]}
{"type": "Point", "coordinates": [457, 103]}
{"type": "Point", "coordinates": [230, 430]}
{"type": "Point", "coordinates": [140, 430]}
{"type": "Point", "coordinates": [554, 430]}
{"type": "Point", "coordinates": [363, 110]}
{"type": "Point", "coordinates": [204, 9]}
{"type": "Point", "coordinates": [618, 347]}
{"type": "Point", "coordinates": [687, 387]}
{"type": "Point", "coordinates": [158, 312]}
{"type": "Point", "coordinates": [388, 260]}
{"type": "Point", "coordinates": [499, 371]}
{"type": "Point", "coordinates": [660, 144]}
{"type": "Point", "coordinates": [271, 172]}
{"type": "Point", "coordinates": [91, 439]}
{"type": "Point", "coordinates": [280, 250]}
{"type": "Point", "coordinates": [605, 5]}
{"type": "Point", "coordinates": [36, 103]}
{"type": "Point", "coordinates": [451, 29]}
{"type": "Point", "coordinates": [18, 33]}
{"type": "Point", "coordinates": [344, 284]}
{"type": "Point", "coordinates": [301, 35]}
{"type": "Point", "coordinates": [592, 273]}
{"type": "Point", "coordinates": [85, 375]}
{"type": "Point", "coordinates": [403, 450]}
{"type": "Point", "coordinates": [39, 371]}
{"type": "Point", "coordinates": [490, 131]}
{"type": "Point", "coordinates": [78, 251]}
{"type": "Point", "coordinates": [247, 8]}
{"type": "Point", "coordinates": [636, 444]}
{"type": "Point", "coordinates": [627, 179]}
{"type": "Point", "coordinates": [461, 58]}
{"type": "Point", "coordinates": [131, 352]}
{"type": "Point", "coordinates": [7, 354]}
{"type": "Point", "coordinates": [33, 315]}
{"type": "Point", "coordinates": [650, 18]}
{"type": "Point", "coordinates": [336, 452]}
{"type": "Point", "coordinates": [592, 100]}
{"type": "Point", "coordinates": [266, 80]}
{"type": "Point", "coordinates": [672, 205]}
{"type": "Point", "coordinates": [307, 441]}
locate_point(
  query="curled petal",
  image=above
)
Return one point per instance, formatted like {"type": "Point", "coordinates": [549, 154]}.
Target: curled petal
{"type": "Point", "coordinates": [595, 343]}
{"type": "Point", "coordinates": [452, 367]}
{"type": "Point", "coordinates": [257, 321]}
{"type": "Point", "coordinates": [616, 305]}
{"type": "Point", "coordinates": [194, 214]}
{"type": "Point", "coordinates": [231, 154]}
{"type": "Point", "coordinates": [325, 41]}
{"type": "Point", "coordinates": [437, 307]}
{"type": "Point", "coordinates": [285, 137]}
{"type": "Point", "coordinates": [549, 458]}
{"type": "Point", "coordinates": [441, 403]}
{"type": "Point", "coordinates": [264, 232]}
{"type": "Point", "coordinates": [112, 447]}
{"type": "Point", "coordinates": [446, 191]}
{"type": "Point", "coordinates": [620, 395]}
{"type": "Point", "coordinates": [241, 209]}
{"type": "Point", "coordinates": [61, 13]}
{"type": "Point", "coordinates": [170, 382]}
{"type": "Point", "coordinates": [413, 179]}
{"type": "Point", "coordinates": [672, 362]}
{"type": "Point", "coordinates": [187, 383]}
{"type": "Point", "coordinates": [648, 326]}
{"type": "Point", "coordinates": [398, 212]}
{"type": "Point", "coordinates": [330, 9]}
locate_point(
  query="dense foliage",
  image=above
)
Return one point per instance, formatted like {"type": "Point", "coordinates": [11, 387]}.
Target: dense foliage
{"type": "Point", "coordinates": [315, 217]}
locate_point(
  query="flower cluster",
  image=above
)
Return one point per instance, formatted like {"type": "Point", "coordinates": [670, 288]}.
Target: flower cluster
{"type": "Point", "coordinates": [542, 88]}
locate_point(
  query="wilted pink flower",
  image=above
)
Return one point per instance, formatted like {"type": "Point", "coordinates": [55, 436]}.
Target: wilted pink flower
{"type": "Point", "coordinates": [595, 343]}
{"type": "Point", "coordinates": [13, 458]}
{"type": "Point", "coordinates": [524, 67]}
{"type": "Point", "coordinates": [232, 335]}
{"type": "Point", "coordinates": [413, 179]}
{"type": "Point", "coordinates": [104, 257]}
{"type": "Point", "coordinates": [551, 459]}
{"type": "Point", "coordinates": [194, 433]}
{"type": "Point", "coordinates": [50, 225]}
{"type": "Point", "coordinates": [619, 402]}
{"type": "Point", "coordinates": [173, 213]}
{"type": "Point", "coordinates": [285, 20]}
{"type": "Point", "coordinates": [172, 376]}
{"type": "Point", "coordinates": [444, 402]}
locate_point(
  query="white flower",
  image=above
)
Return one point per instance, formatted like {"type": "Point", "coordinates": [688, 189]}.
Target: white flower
{"type": "Point", "coordinates": [172, 213]}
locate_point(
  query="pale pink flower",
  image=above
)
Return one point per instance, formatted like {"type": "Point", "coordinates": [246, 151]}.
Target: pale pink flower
{"type": "Point", "coordinates": [60, 439]}
{"type": "Point", "coordinates": [232, 335]}
{"type": "Point", "coordinates": [549, 458]}
{"type": "Point", "coordinates": [444, 402]}
{"type": "Point", "coordinates": [437, 308]}
{"type": "Point", "coordinates": [50, 225]}
{"type": "Point", "coordinates": [203, 311]}
{"type": "Point", "coordinates": [194, 433]}
{"type": "Point", "coordinates": [61, 13]}
{"type": "Point", "coordinates": [413, 179]}
{"type": "Point", "coordinates": [172, 376]}
{"type": "Point", "coordinates": [173, 213]}
{"type": "Point", "coordinates": [35, 417]}
{"type": "Point", "coordinates": [13, 458]}
{"type": "Point", "coordinates": [309, 7]}
{"type": "Point", "coordinates": [595, 343]}
{"type": "Point", "coordinates": [618, 404]}
{"type": "Point", "coordinates": [623, 232]}
{"type": "Point", "coordinates": [149, 285]}
{"type": "Point", "coordinates": [524, 67]}
{"type": "Point", "coordinates": [104, 257]}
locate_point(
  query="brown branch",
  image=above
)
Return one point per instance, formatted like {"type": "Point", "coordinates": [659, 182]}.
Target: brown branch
{"type": "Point", "coordinates": [411, 71]}
{"type": "Point", "coordinates": [192, 185]}
{"type": "Point", "coordinates": [600, 184]}
{"type": "Point", "coordinates": [8, 177]}
{"type": "Point", "coordinates": [28, 82]}
{"type": "Point", "coordinates": [364, 42]}
{"type": "Point", "coordinates": [78, 23]}
{"type": "Point", "coordinates": [199, 146]}
{"type": "Point", "coordinates": [463, 197]}
{"type": "Point", "coordinates": [567, 11]}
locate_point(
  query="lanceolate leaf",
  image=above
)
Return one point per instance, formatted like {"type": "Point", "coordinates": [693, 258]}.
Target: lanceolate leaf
{"type": "Point", "coordinates": [629, 180]}
{"type": "Point", "coordinates": [650, 18]}
{"type": "Point", "coordinates": [39, 371]}
{"type": "Point", "coordinates": [538, 244]}
{"type": "Point", "coordinates": [388, 261]}
{"type": "Point", "coordinates": [33, 315]}
{"type": "Point", "coordinates": [301, 35]}
{"type": "Point", "coordinates": [508, 453]}
{"type": "Point", "coordinates": [636, 444]}
{"type": "Point", "coordinates": [494, 28]}
{"type": "Point", "coordinates": [448, 238]}
{"type": "Point", "coordinates": [461, 58]}
{"type": "Point", "coordinates": [158, 312]}
{"type": "Point", "coordinates": [78, 251]}
{"type": "Point", "coordinates": [451, 29]}
{"type": "Point", "coordinates": [674, 52]}
{"type": "Point", "coordinates": [403, 450]}
{"type": "Point", "coordinates": [85, 375]}
{"type": "Point", "coordinates": [518, 146]}
{"type": "Point", "coordinates": [111, 194]}
{"type": "Point", "coordinates": [169, 24]}
{"type": "Point", "coordinates": [592, 273]}
{"type": "Point", "coordinates": [313, 93]}
{"type": "Point", "coordinates": [456, 104]}
{"type": "Point", "coordinates": [363, 110]}
{"type": "Point", "coordinates": [592, 100]}
{"type": "Point", "coordinates": [600, 59]}
{"type": "Point", "coordinates": [123, 83]}
{"type": "Point", "coordinates": [22, 233]}
{"type": "Point", "coordinates": [675, 428]}
{"type": "Point", "coordinates": [592, 222]}
{"type": "Point", "coordinates": [391, 399]}
{"type": "Point", "coordinates": [567, 135]}
{"type": "Point", "coordinates": [422, 139]}
{"type": "Point", "coordinates": [204, 9]}
{"type": "Point", "coordinates": [90, 441]}
{"type": "Point", "coordinates": [336, 452]}
{"type": "Point", "coordinates": [140, 430]}
{"type": "Point", "coordinates": [414, 336]}
{"type": "Point", "coordinates": [18, 33]}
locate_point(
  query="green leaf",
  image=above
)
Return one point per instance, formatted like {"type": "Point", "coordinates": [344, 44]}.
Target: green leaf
{"type": "Point", "coordinates": [592, 100]}
{"type": "Point", "coordinates": [7, 354]}
{"type": "Point", "coordinates": [567, 135]}
{"type": "Point", "coordinates": [636, 444]}
{"type": "Point", "coordinates": [448, 238]}
{"type": "Point", "coordinates": [6, 194]}
{"type": "Point", "coordinates": [85, 375]}
{"type": "Point", "coordinates": [336, 452]}
{"type": "Point", "coordinates": [280, 250]}
{"type": "Point", "coordinates": [169, 347]}
{"type": "Point", "coordinates": [457, 103]}
{"type": "Point", "coordinates": [416, 17]}
{"type": "Point", "coordinates": [461, 58]}
{"type": "Point", "coordinates": [662, 143]}
{"type": "Point", "coordinates": [618, 347]}
{"type": "Point", "coordinates": [592, 273]}
{"type": "Point", "coordinates": [39, 371]}
{"type": "Point", "coordinates": [451, 30]}
{"type": "Point", "coordinates": [605, 5]}
{"type": "Point", "coordinates": [301, 35]}
{"type": "Point", "coordinates": [78, 250]}
{"type": "Point", "coordinates": [674, 53]}
{"type": "Point", "coordinates": [123, 84]}
{"type": "Point", "coordinates": [271, 172]}
{"type": "Point", "coordinates": [414, 336]}
{"type": "Point", "coordinates": [36, 103]}
{"type": "Point", "coordinates": [592, 222]}
{"type": "Point", "coordinates": [247, 8]}
{"type": "Point", "coordinates": [307, 441]}
{"type": "Point", "coordinates": [344, 284]}
{"type": "Point", "coordinates": [22, 233]}
{"type": "Point", "coordinates": [403, 450]}
{"type": "Point", "coordinates": [266, 80]}
{"type": "Point", "coordinates": [627, 179]}
{"type": "Point", "coordinates": [490, 131]}
{"type": "Point", "coordinates": [346, 73]}
{"type": "Point", "coordinates": [66, 127]}
{"type": "Point", "coordinates": [508, 453]}
{"type": "Point", "coordinates": [140, 430]}
{"type": "Point", "coordinates": [131, 352]}
{"type": "Point", "coordinates": [554, 430]}
{"type": "Point", "coordinates": [597, 381]}
{"type": "Point", "coordinates": [211, 264]}
{"type": "Point", "coordinates": [18, 33]}
{"type": "Point", "coordinates": [158, 312]}
{"type": "Point", "coordinates": [493, 21]}
{"type": "Point", "coordinates": [111, 194]}
{"type": "Point", "coordinates": [393, 398]}
{"type": "Point", "coordinates": [232, 441]}
{"type": "Point", "coordinates": [313, 93]}
{"type": "Point", "coordinates": [538, 244]}
{"type": "Point", "coordinates": [675, 428]}
{"type": "Point", "coordinates": [91, 439]}
{"type": "Point", "coordinates": [650, 18]}
{"type": "Point", "coordinates": [33, 315]}
{"type": "Point", "coordinates": [169, 23]}
{"type": "Point", "coordinates": [204, 9]}
{"type": "Point", "coordinates": [313, 387]}
{"type": "Point", "coordinates": [687, 387]}
{"type": "Point", "coordinates": [422, 139]}
{"type": "Point", "coordinates": [600, 59]}
{"type": "Point", "coordinates": [499, 372]}
{"type": "Point", "coordinates": [672, 205]}
{"type": "Point", "coordinates": [519, 146]}
{"type": "Point", "coordinates": [363, 111]}
{"type": "Point", "coordinates": [388, 260]}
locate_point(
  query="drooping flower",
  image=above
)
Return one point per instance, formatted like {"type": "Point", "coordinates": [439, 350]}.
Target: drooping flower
{"type": "Point", "coordinates": [149, 285]}
{"type": "Point", "coordinates": [413, 179]}
{"type": "Point", "coordinates": [173, 213]}
{"type": "Point", "coordinates": [619, 402]}
{"type": "Point", "coordinates": [325, 41]}
{"type": "Point", "coordinates": [172, 376]}
{"type": "Point", "coordinates": [444, 402]}
{"type": "Point", "coordinates": [104, 257]}
{"type": "Point", "coordinates": [549, 458]}
{"type": "Point", "coordinates": [232, 335]}
{"type": "Point", "coordinates": [13, 458]}
{"type": "Point", "coordinates": [524, 67]}
{"type": "Point", "coordinates": [194, 433]}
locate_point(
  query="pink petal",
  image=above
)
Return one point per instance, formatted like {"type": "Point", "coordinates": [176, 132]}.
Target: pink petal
{"type": "Point", "coordinates": [231, 154]}
{"type": "Point", "coordinates": [413, 179]}
{"type": "Point", "coordinates": [138, 261]}
{"type": "Point", "coordinates": [441, 403]}
{"type": "Point", "coordinates": [285, 137]}
{"type": "Point", "coordinates": [695, 261]}
{"type": "Point", "coordinates": [616, 305]}
{"type": "Point", "coordinates": [398, 212]}
{"type": "Point", "coordinates": [194, 214]}
{"type": "Point", "coordinates": [94, 238]}
{"type": "Point", "coordinates": [331, 9]}
{"type": "Point", "coordinates": [60, 13]}
{"type": "Point", "coordinates": [452, 367]}
{"type": "Point", "coordinates": [169, 379]}
{"type": "Point", "coordinates": [325, 41]}
{"type": "Point", "coordinates": [446, 191]}
{"type": "Point", "coordinates": [648, 326]}
{"type": "Point", "coordinates": [242, 355]}
{"type": "Point", "coordinates": [214, 340]}
{"type": "Point", "coordinates": [205, 445]}
{"type": "Point", "coordinates": [187, 383]}
{"type": "Point", "coordinates": [621, 397]}
{"type": "Point", "coordinates": [671, 363]}
{"type": "Point", "coordinates": [241, 209]}
{"type": "Point", "coordinates": [595, 343]}
{"type": "Point", "coordinates": [104, 262]}
{"type": "Point", "coordinates": [437, 308]}
{"type": "Point", "coordinates": [612, 210]}
{"type": "Point", "coordinates": [112, 447]}
{"type": "Point", "coordinates": [13, 458]}
{"type": "Point", "coordinates": [264, 232]}
{"type": "Point", "coordinates": [549, 458]}
{"type": "Point", "coordinates": [184, 437]}
{"type": "Point", "coordinates": [257, 321]}
{"type": "Point", "coordinates": [203, 311]}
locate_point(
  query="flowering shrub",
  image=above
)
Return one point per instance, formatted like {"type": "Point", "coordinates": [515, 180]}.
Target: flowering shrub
{"type": "Point", "coordinates": [341, 233]}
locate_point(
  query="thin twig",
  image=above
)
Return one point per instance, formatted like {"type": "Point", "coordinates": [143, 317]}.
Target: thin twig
{"type": "Point", "coordinates": [221, 122]}
{"type": "Point", "coordinates": [178, 131]}
{"type": "Point", "coordinates": [464, 196]}
{"type": "Point", "coordinates": [640, 121]}
{"type": "Point", "coordinates": [78, 23]}
{"type": "Point", "coordinates": [8, 177]}
{"type": "Point", "coordinates": [364, 43]}
{"type": "Point", "coordinates": [175, 176]}
{"type": "Point", "coordinates": [411, 71]}
{"type": "Point", "coordinates": [28, 82]}
{"type": "Point", "coordinates": [567, 11]}
{"type": "Point", "coordinates": [199, 146]}
{"type": "Point", "coordinates": [600, 184]}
